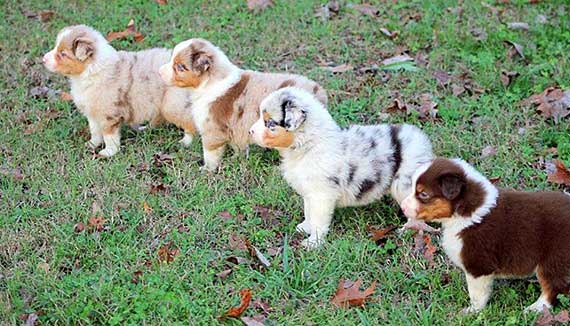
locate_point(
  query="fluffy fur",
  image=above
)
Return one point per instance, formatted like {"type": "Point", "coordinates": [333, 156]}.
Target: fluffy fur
{"type": "Point", "coordinates": [334, 167]}
{"type": "Point", "coordinates": [491, 233]}
{"type": "Point", "coordinates": [112, 87]}
{"type": "Point", "coordinates": [225, 98]}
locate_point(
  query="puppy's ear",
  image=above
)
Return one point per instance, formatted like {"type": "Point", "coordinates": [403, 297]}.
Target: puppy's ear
{"type": "Point", "coordinates": [201, 62]}
{"type": "Point", "coordinates": [293, 114]}
{"type": "Point", "coordinates": [83, 48]}
{"type": "Point", "coordinates": [451, 185]}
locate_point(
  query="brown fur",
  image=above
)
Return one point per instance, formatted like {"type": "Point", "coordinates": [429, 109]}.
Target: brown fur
{"type": "Point", "coordinates": [524, 232]}
{"type": "Point", "coordinates": [279, 138]}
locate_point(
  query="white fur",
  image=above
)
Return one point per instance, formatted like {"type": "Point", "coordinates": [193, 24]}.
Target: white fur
{"type": "Point", "coordinates": [539, 305]}
{"type": "Point", "coordinates": [480, 289]}
{"type": "Point", "coordinates": [322, 152]}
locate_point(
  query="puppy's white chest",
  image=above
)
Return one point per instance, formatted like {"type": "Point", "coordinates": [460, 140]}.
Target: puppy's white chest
{"type": "Point", "coordinates": [451, 242]}
{"type": "Point", "coordinates": [200, 113]}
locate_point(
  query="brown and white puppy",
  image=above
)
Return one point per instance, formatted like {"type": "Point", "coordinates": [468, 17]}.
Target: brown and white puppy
{"type": "Point", "coordinates": [112, 87]}
{"type": "Point", "coordinates": [225, 98]}
{"type": "Point", "coordinates": [494, 233]}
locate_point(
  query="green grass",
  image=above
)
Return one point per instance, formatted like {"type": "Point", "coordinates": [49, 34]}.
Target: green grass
{"type": "Point", "coordinates": [85, 278]}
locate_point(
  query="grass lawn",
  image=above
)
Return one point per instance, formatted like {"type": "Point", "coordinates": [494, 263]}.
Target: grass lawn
{"type": "Point", "coordinates": [69, 277]}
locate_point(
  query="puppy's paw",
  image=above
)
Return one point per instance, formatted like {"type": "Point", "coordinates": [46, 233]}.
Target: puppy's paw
{"type": "Point", "coordinates": [108, 152]}
{"type": "Point", "coordinates": [470, 310]}
{"type": "Point", "coordinates": [536, 307]}
{"type": "Point", "coordinates": [304, 227]}
{"type": "Point", "coordinates": [92, 144]}
{"type": "Point", "coordinates": [208, 169]}
{"type": "Point", "coordinates": [312, 243]}
{"type": "Point", "coordinates": [186, 141]}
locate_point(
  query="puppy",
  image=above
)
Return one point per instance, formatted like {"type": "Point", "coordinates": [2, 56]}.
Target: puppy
{"type": "Point", "coordinates": [112, 87]}
{"type": "Point", "coordinates": [334, 167]}
{"type": "Point", "coordinates": [225, 98]}
{"type": "Point", "coordinates": [491, 233]}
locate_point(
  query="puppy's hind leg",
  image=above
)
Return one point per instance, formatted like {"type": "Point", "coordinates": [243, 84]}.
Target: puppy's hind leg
{"type": "Point", "coordinates": [321, 210]}
{"type": "Point", "coordinates": [551, 284]}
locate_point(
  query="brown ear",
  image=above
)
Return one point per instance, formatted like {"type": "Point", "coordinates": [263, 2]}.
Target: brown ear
{"type": "Point", "coordinates": [451, 185]}
{"type": "Point", "coordinates": [83, 48]}
{"type": "Point", "coordinates": [201, 62]}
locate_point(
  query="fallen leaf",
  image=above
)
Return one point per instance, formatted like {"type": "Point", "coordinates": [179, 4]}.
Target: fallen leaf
{"type": "Point", "coordinates": [237, 260]}
{"type": "Point", "coordinates": [42, 92]}
{"type": "Point", "coordinates": [397, 106]}
{"type": "Point", "coordinates": [223, 274]}
{"type": "Point", "coordinates": [388, 33]}
{"type": "Point", "coordinates": [378, 234]}
{"type": "Point", "coordinates": [166, 254]}
{"type": "Point", "coordinates": [428, 108]}
{"type": "Point", "coordinates": [31, 319]}
{"type": "Point", "coordinates": [79, 227]}
{"type": "Point", "coordinates": [146, 208]}
{"type": "Point", "coordinates": [161, 2]}
{"type": "Point", "coordinates": [365, 9]}
{"type": "Point", "coordinates": [518, 25]}
{"type": "Point", "coordinates": [515, 49]}
{"type": "Point", "coordinates": [457, 89]}
{"type": "Point", "coordinates": [237, 243]}
{"type": "Point", "coordinates": [256, 320]}
{"type": "Point", "coordinates": [561, 174]}
{"type": "Point", "coordinates": [256, 253]}
{"type": "Point", "coordinates": [45, 15]}
{"type": "Point", "coordinates": [129, 31]}
{"type": "Point", "coordinates": [507, 77]}
{"type": "Point", "coordinates": [267, 214]}
{"type": "Point", "coordinates": [479, 34]}
{"type": "Point", "coordinates": [13, 173]}
{"type": "Point", "coordinates": [340, 68]}
{"type": "Point", "coordinates": [552, 103]}
{"type": "Point", "coordinates": [225, 215]}
{"type": "Point", "coordinates": [96, 223]}
{"type": "Point", "coordinates": [235, 312]}
{"type": "Point", "coordinates": [159, 189]}
{"type": "Point", "coordinates": [136, 277]}
{"type": "Point", "coordinates": [162, 159]}
{"type": "Point", "coordinates": [430, 249]}
{"type": "Point", "coordinates": [259, 5]}
{"type": "Point", "coordinates": [495, 180]}
{"type": "Point", "coordinates": [44, 266]}
{"type": "Point", "coordinates": [350, 295]}
{"type": "Point", "coordinates": [547, 319]}
{"type": "Point", "coordinates": [327, 10]}
{"type": "Point", "coordinates": [488, 151]}
{"type": "Point", "coordinates": [397, 59]}
{"type": "Point", "coordinates": [418, 225]}
{"type": "Point", "coordinates": [442, 77]}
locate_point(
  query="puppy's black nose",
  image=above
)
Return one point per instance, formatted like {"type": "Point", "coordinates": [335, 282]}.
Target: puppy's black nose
{"type": "Point", "coordinates": [250, 131]}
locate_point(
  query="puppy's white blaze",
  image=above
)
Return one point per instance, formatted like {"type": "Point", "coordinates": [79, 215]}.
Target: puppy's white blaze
{"type": "Point", "coordinates": [49, 60]}
{"type": "Point", "coordinates": [410, 206]}
{"type": "Point", "coordinates": [166, 74]}
{"type": "Point", "coordinates": [258, 128]}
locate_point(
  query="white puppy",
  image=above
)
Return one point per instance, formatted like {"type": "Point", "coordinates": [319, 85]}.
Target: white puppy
{"type": "Point", "coordinates": [334, 167]}
{"type": "Point", "coordinates": [112, 87]}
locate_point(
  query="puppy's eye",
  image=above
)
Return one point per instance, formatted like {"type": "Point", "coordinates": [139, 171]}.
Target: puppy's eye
{"type": "Point", "coordinates": [62, 54]}
{"type": "Point", "coordinates": [180, 67]}
{"type": "Point", "coordinates": [423, 196]}
{"type": "Point", "coordinates": [270, 124]}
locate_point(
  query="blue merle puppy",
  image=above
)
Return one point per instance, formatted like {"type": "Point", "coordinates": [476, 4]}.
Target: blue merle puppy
{"type": "Point", "coordinates": [334, 167]}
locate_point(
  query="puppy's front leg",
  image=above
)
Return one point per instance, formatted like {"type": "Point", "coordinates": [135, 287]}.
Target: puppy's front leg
{"type": "Point", "coordinates": [321, 210]}
{"type": "Point", "coordinates": [305, 226]}
{"type": "Point", "coordinates": [479, 291]}
{"type": "Point", "coordinates": [96, 135]}
{"type": "Point", "coordinates": [212, 157]}
{"type": "Point", "coordinates": [112, 139]}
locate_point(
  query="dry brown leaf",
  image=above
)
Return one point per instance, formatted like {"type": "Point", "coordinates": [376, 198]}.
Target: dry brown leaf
{"type": "Point", "coordinates": [340, 68]}
{"type": "Point", "coordinates": [237, 243]}
{"type": "Point", "coordinates": [488, 151]}
{"type": "Point", "coordinates": [13, 173]}
{"type": "Point", "coordinates": [166, 254]}
{"type": "Point", "coordinates": [423, 245]}
{"type": "Point", "coordinates": [96, 223]}
{"type": "Point", "coordinates": [419, 225]}
{"type": "Point", "coordinates": [397, 106]}
{"type": "Point", "coordinates": [161, 2]}
{"type": "Point", "coordinates": [507, 77]}
{"type": "Point", "coordinates": [561, 174]}
{"type": "Point", "coordinates": [326, 11]}
{"type": "Point", "coordinates": [223, 274]}
{"type": "Point", "coordinates": [518, 25]}
{"type": "Point", "coordinates": [350, 295]}
{"type": "Point", "coordinates": [442, 77]}
{"type": "Point", "coordinates": [547, 319]}
{"type": "Point", "coordinates": [428, 108]}
{"type": "Point", "coordinates": [256, 253]}
{"type": "Point", "coordinates": [129, 31]}
{"type": "Point", "coordinates": [253, 321]}
{"type": "Point", "coordinates": [146, 207]}
{"type": "Point", "coordinates": [31, 319]}
{"type": "Point", "coordinates": [515, 49]}
{"type": "Point", "coordinates": [235, 312]}
{"type": "Point", "coordinates": [136, 277]}
{"type": "Point", "coordinates": [79, 227]}
{"type": "Point", "coordinates": [379, 234]}
{"type": "Point", "coordinates": [479, 34]}
{"type": "Point", "coordinates": [552, 103]}
{"type": "Point", "coordinates": [388, 33]}
{"type": "Point", "coordinates": [45, 15]}
{"type": "Point", "coordinates": [225, 215]}
{"type": "Point", "coordinates": [365, 9]}
{"type": "Point", "coordinates": [159, 189]}
{"type": "Point", "coordinates": [397, 59]}
{"type": "Point", "coordinates": [259, 5]}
